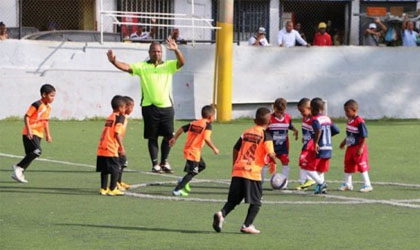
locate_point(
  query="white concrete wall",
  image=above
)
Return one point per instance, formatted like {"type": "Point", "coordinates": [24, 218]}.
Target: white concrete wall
{"type": "Point", "coordinates": [274, 21]}
{"type": "Point", "coordinates": [9, 13]}
{"type": "Point", "coordinates": [107, 6]}
{"type": "Point", "coordinates": [385, 81]}
{"type": "Point", "coordinates": [355, 23]}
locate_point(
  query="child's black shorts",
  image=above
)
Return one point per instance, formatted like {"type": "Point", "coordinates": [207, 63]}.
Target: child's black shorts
{"type": "Point", "coordinates": [241, 188]}
{"type": "Point", "coordinates": [123, 161]}
{"type": "Point", "coordinates": [194, 167]}
{"type": "Point", "coordinates": [32, 145]}
{"type": "Point", "coordinates": [107, 165]}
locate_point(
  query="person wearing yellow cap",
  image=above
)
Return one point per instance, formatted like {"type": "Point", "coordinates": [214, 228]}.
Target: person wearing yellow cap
{"type": "Point", "coordinates": [322, 38]}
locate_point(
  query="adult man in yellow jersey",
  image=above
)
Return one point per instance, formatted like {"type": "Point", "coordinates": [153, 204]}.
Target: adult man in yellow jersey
{"type": "Point", "coordinates": [157, 104]}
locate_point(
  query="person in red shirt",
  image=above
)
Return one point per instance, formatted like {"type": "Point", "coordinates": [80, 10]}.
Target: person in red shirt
{"type": "Point", "coordinates": [36, 123]}
{"type": "Point", "coordinates": [322, 38]}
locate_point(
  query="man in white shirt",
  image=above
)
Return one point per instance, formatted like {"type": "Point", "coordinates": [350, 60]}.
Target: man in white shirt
{"type": "Point", "coordinates": [140, 34]}
{"type": "Point", "coordinates": [409, 36]}
{"type": "Point", "coordinates": [258, 39]}
{"type": "Point", "coordinates": [288, 37]}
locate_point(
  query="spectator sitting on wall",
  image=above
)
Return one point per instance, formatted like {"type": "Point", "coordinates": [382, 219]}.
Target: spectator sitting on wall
{"type": "Point", "coordinates": [140, 34]}
{"type": "Point", "coordinates": [176, 37]}
{"type": "Point", "coordinates": [51, 26]}
{"type": "Point", "coordinates": [409, 36]}
{"type": "Point", "coordinates": [288, 37]}
{"type": "Point", "coordinates": [258, 39]}
{"type": "Point", "coordinates": [338, 38]}
{"type": "Point", "coordinates": [3, 31]}
{"type": "Point", "coordinates": [372, 35]}
{"type": "Point", "coordinates": [322, 38]}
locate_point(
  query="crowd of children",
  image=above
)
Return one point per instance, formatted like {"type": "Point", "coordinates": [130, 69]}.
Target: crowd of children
{"type": "Point", "coordinates": [258, 147]}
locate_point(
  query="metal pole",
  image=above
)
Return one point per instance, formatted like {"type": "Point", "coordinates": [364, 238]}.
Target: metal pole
{"type": "Point", "coordinates": [101, 20]}
{"type": "Point", "coordinates": [193, 22]}
{"type": "Point", "coordinates": [20, 18]}
{"type": "Point", "coordinates": [225, 52]}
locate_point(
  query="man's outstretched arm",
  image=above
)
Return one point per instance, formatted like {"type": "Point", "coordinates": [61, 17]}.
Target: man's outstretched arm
{"type": "Point", "coordinates": [119, 65]}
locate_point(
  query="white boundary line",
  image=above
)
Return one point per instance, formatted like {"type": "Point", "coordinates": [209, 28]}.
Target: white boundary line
{"type": "Point", "coordinates": [346, 200]}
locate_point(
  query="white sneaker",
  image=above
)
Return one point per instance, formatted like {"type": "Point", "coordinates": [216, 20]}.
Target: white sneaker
{"type": "Point", "coordinates": [249, 230]}
{"type": "Point", "coordinates": [218, 221]}
{"type": "Point", "coordinates": [18, 174]}
{"type": "Point", "coordinates": [156, 169]}
{"type": "Point", "coordinates": [366, 189]}
{"type": "Point", "coordinates": [166, 168]}
{"type": "Point", "coordinates": [345, 187]}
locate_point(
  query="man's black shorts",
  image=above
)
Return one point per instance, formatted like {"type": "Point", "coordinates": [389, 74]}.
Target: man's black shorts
{"type": "Point", "coordinates": [32, 145]}
{"type": "Point", "coordinates": [107, 165]}
{"type": "Point", "coordinates": [158, 121]}
{"type": "Point", "coordinates": [194, 167]}
{"type": "Point", "coordinates": [241, 188]}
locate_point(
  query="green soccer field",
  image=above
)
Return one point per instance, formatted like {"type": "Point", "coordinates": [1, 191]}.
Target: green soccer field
{"type": "Point", "coordinates": [60, 207]}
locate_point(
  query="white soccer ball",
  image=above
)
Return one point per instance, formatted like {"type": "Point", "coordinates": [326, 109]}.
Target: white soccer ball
{"type": "Point", "coordinates": [278, 181]}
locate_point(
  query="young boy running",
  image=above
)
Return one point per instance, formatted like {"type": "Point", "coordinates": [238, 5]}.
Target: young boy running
{"type": "Point", "coordinates": [129, 105]}
{"type": "Point", "coordinates": [281, 123]}
{"type": "Point", "coordinates": [249, 155]}
{"type": "Point", "coordinates": [356, 158]}
{"type": "Point", "coordinates": [111, 147]}
{"type": "Point", "coordinates": [36, 123]}
{"type": "Point", "coordinates": [198, 133]}
{"type": "Point", "coordinates": [320, 146]}
{"type": "Point", "coordinates": [304, 108]}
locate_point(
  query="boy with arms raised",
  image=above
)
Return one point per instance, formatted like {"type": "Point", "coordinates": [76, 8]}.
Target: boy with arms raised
{"type": "Point", "coordinates": [111, 148]}
{"type": "Point", "coordinates": [129, 105]}
{"type": "Point", "coordinates": [356, 158]}
{"type": "Point", "coordinates": [249, 154]}
{"type": "Point", "coordinates": [36, 123]}
{"type": "Point", "coordinates": [198, 133]}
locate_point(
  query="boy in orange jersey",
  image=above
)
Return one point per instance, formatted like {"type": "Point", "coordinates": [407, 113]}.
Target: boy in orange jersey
{"type": "Point", "coordinates": [129, 105]}
{"type": "Point", "coordinates": [111, 148]}
{"type": "Point", "coordinates": [249, 154]}
{"type": "Point", "coordinates": [198, 133]}
{"type": "Point", "coordinates": [36, 122]}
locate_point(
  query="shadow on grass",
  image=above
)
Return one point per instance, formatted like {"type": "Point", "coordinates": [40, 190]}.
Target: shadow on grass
{"type": "Point", "coordinates": [141, 228]}
{"type": "Point", "coordinates": [45, 190]}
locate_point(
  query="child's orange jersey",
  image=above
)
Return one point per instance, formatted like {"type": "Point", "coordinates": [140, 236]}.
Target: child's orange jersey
{"type": "Point", "coordinates": [108, 144]}
{"type": "Point", "coordinates": [39, 114]}
{"type": "Point", "coordinates": [124, 128]}
{"type": "Point", "coordinates": [197, 132]}
{"type": "Point", "coordinates": [253, 146]}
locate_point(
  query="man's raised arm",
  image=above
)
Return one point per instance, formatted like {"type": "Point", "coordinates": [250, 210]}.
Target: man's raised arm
{"type": "Point", "coordinates": [119, 65]}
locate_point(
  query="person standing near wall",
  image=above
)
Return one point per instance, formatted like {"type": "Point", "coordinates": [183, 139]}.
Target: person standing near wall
{"type": "Point", "coordinates": [288, 37]}
{"type": "Point", "coordinates": [322, 38]}
{"type": "Point", "coordinates": [157, 104]}
{"type": "Point", "coordinates": [372, 35]}
{"type": "Point", "coordinates": [258, 39]}
{"type": "Point", "coordinates": [3, 31]}
{"type": "Point", "coordinates": [409, 36]}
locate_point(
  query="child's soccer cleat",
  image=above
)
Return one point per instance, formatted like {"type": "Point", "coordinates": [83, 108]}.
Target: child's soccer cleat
{"type": "Point", "coordinates": [157, 169]}
{"type": "Point", "coordinates": [18, 174]}
{"type": "Point", "coordinates": [321, 188]}
{"type": "Point", "coordinates": [115, 192]}
{"type": "Point", "coordinates": [187, 187]}
{"type": "Point", "coordinates": [249, 230]}
{"type": "Point", "coordinates": [180, 192]}
{"type": "Point", "coordinates": [103, 191]}
{"type": "Point", "coordinates": [218, 221]}
{"type": "Point", "coordinates": [366, 189]}
{"type": "Point", "coordinates": [125, 185]}
{"type": "Point", "coordinates": [120, 186]}
{"type": "Point", "coordinates": [345, 187]}
{"type": "Point", "coordinates": [166, 168]}
{"type": "Point", "coordinates": [306, 185]}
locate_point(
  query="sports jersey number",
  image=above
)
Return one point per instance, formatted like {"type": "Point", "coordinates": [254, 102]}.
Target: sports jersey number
{"type": "Point", "coordinates": [326, 135]}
